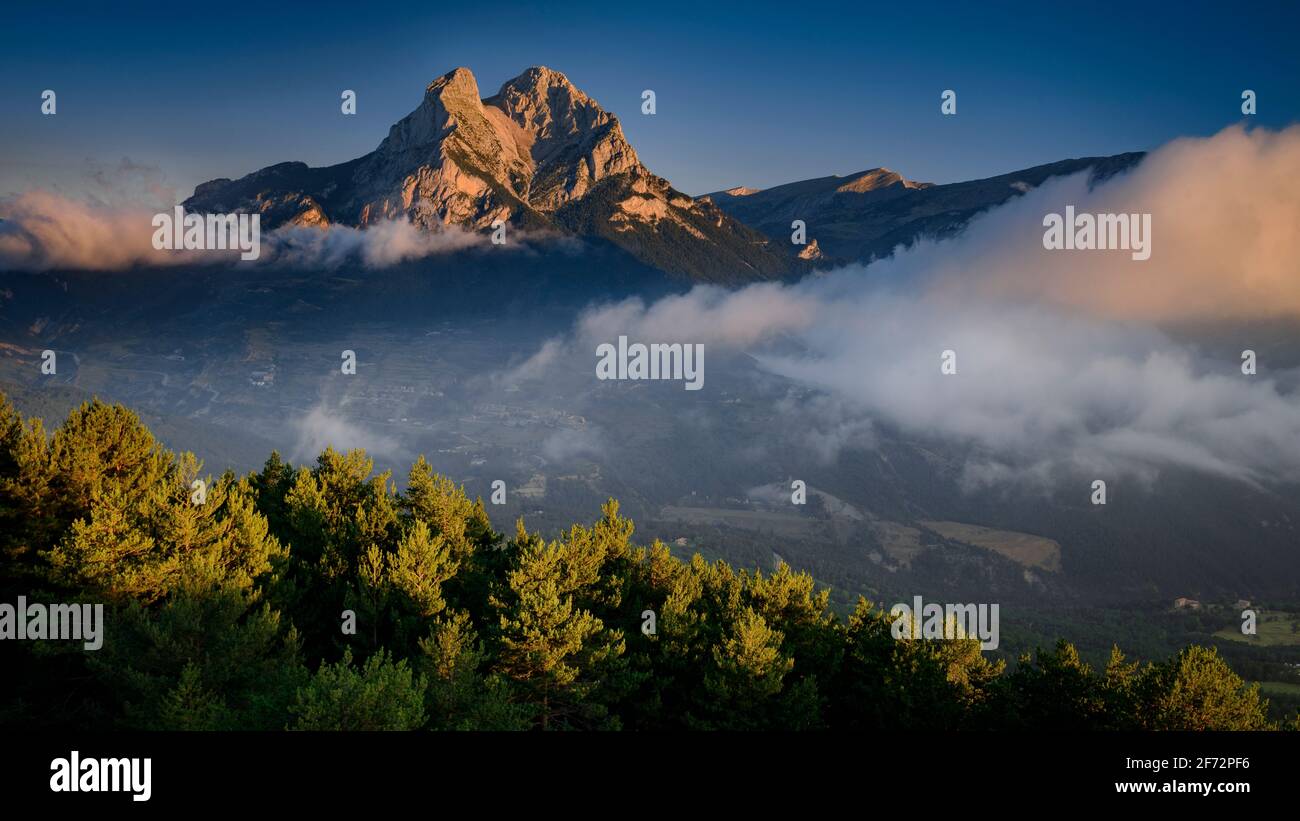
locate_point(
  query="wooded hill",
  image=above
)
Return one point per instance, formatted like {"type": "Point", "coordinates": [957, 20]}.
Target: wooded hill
{"type": "Point", "coordinates": [233, 614]}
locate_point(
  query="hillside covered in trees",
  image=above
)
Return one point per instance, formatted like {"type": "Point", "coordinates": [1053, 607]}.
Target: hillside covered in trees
{"type": "Point", "coordinates": [230, 614]}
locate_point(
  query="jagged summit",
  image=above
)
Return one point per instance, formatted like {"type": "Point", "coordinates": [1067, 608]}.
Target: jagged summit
{"type": "Point", "coordinates": [539, 153]}
{"type": "Point", "coordinates": [572, 141]}
{"type": "Point", "coordinates": [542, 154]}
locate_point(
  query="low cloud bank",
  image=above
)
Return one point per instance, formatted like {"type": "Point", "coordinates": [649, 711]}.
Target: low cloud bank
{"type": "Point", "coordinates": [324, 427]}
{"type": "Point", "coordinates": [43, 231]}
{"type": "Point", "coordinates": [1060, 361]}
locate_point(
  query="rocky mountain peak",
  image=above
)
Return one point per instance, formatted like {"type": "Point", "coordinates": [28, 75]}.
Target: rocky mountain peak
{"type": "Point", "coordinates": [545, 104]}
{"type": "Point", "coordinates": [450, 103]}
{"type": "Point", "coordinates": [539, 153]}
{"type": "Point", "coordinates": [459, 78]}
{"type": "Point", "coordinates": [572, 141]}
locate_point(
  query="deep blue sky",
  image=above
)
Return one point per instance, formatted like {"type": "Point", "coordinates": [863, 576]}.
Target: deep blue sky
{"type": "Point", "coordinates": [747, 94]}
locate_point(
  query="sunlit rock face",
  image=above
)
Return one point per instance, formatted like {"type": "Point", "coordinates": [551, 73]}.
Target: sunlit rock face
{"type": "Point", "coordinates": [539, 154]}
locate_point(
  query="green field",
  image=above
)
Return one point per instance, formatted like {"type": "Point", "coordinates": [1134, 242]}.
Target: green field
{"type": "Point", "coordinates": [1031, 551]}
{"type": "Point", "coordinates": [1273, 630]}
{"type": "Point", "coordinates": [1279, 688]}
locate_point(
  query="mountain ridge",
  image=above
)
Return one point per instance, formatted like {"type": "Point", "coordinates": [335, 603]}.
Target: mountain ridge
{"type": "Point", "coordinates": [542, 155]}
{"type": "Point", "coordinates": [865, 216]}
{"type": "Point", "coordinates": [539, 154]}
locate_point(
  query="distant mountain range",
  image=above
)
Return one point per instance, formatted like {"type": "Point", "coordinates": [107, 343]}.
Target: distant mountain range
{"type": "Point", "coordinates": [542, 155]}
{"type": "Point", "coordinates": [865, 216]}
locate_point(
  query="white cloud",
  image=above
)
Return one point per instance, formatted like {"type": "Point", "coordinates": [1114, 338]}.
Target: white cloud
{"type": "Point", "coordinates": [323, 427]}
{"type": "Point", "coordinates": [1061, 361]}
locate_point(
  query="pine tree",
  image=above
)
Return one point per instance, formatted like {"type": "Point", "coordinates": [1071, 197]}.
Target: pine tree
{"type": "Point", "coordinates": [419, 567]}
{"type": "Point", "coordinates": [889, 683]}
{"type": "Point", "coordinates": [748, 674]}
{"type": "Point", "coordinates": [555, 652]}
{"type": "Point", "coordinates": [142, 544]}
{"type": "Point", "coordinates": [340, 520]}
{"type": "Point", "coordinates": [460, 695]}
{"type": "Point", "coordinates": [1054, 689]}
{"type": "Point", "coordinates": [211, 657]}
{"type": "Point", "coordinates": [102, 449]}
{"type": "Point", "coordinates": [191, 706]}
{"type": "Point", "coordinates": [382, 694]}
{"type": "Point", "coordinates": [443, 506]}
{"type": "Point", "coordinates": [1196, 690]}
{"type": "Point", "coordinates": [1120, 692]}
